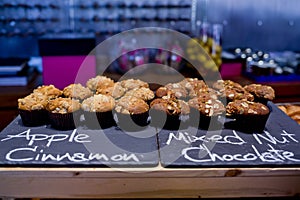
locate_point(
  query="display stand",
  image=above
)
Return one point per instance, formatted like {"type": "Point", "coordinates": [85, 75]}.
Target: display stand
{"type": "Point", "coordinates": [40, 162]}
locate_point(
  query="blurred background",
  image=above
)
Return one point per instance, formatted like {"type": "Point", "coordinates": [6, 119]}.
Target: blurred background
{"type": "Point", "coordinates": [248, 41]}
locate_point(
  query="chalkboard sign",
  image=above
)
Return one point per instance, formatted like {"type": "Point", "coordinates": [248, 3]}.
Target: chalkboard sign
{"type": "Point", "coordinates": [44, 146]}
{"type": "Point", "coordinates": [277, 145]}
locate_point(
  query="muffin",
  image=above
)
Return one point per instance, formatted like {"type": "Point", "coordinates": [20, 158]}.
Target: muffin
{"type": "Point", "coordinates": [63, 112]}
{"type": "Point", "coordinates": [162, 91]}
{"type": "Point", "coordinates": [206, 111]}
{"type": "Point", "coordinates": [231, 94]}
{"type": "Point", "coordinates": [194, 86]}
{"type": "Point", "coordinates": [261, 93]}
{"type": "Point", "coordinates": [99, 82]}
{"type": "Point", "coordinates": [130, 84]}
{"type": "Point", "coordinates": [165, 113]}
{"type": "Point", "coordinates": [116, 91]}
{"type": "Point", "coordinates": [247, 116]}
{"type": "Point", "coordinates": [179, 91]}
{"type": "Point", "coordinates": [97, 111]}
{"type": "Point", "coordinates": [32, 109]}
{"type": "Point", "coordinates": [221, 85]}
{"type": "Point", "coordinates": [48, 90]}
{"type": "Point", "coordinates": [142, 93]}
{"type": "Point", "coordinates": [132, 113]}
{"type": "Point", "coordinates": [232, 90]}
{"type": "Point", "coordinates": [77, 91]}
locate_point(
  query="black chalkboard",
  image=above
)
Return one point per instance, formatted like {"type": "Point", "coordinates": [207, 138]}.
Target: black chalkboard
{"type": "Point", "coordinates": [277, 145]}
{"type": "Point", "coordinates": [45, 146]}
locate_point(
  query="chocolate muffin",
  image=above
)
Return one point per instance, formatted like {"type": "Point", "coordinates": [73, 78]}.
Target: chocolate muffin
{"type": "Point", "coordinates": [261, 93]}
{"type": "Point", "coordinates": [232, 90]}
{"type": "Point", "coordinates": [179, 91]}
{"type": "Point", "coordinates": [247, 116]}
{"type": "Point", "coordinates": [231, 95]}
{"type": "Point", "coordinates": [63, 112]}
{"type": "Point", "coordinates": [77, 91]}
{"type": "Point", "coordinates": [32, 109]}
{"type": "Point", "coordinates": [206, 111]}
{"type": "Point", "coordinates": [221, 85]}
{"type": "Point", "coordinates": [98, 110]}
{"type": "Point", "coordinates": [132, 113]}
{"type": "Point", "coordinates": [165, 113]}
{"type": "Point", "coordinates": [194, 86]}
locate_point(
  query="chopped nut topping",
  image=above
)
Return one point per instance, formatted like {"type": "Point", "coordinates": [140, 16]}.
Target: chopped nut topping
{"type": "Point", "coordinates": [245, 105]}
{"type": "Point", "coordinates": [231, 95]}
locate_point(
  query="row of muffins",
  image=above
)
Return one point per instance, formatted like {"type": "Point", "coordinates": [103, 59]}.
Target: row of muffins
{"type": "Point", "coordinates": [245, 106]}
{"type": "Point", "coordinates": [168, 106]}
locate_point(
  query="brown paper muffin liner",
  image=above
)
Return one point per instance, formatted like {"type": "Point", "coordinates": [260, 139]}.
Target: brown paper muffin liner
{"type": "Point", "coordinates": [34, 117]}
{"type": "Point", "coordinates": [64, 121]}
{"type": "Point", "coordinates": [247, 123]}
{"type": "Point", "coordinates": [134, 122]}
{"type": "Point", "coordinates": [261, 100]}
{"type": "Point", "coordinates": [162, 120]}
{"type": "Point", "coordinates": [201, 121]}
{"type": "Point", "coordinates": [96, 120]}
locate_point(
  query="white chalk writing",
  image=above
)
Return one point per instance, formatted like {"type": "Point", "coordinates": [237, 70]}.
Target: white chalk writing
{"type": "Point", "coordinates": [269, 155]}
{"type": "Point", "coordinates": [50, 139]}
{"type": "Point", "coordinates": [33, 153]}
{"type": "Point", "coordinates": [263, 148]}
{"type": "Point", "coordinates": [189, 139]}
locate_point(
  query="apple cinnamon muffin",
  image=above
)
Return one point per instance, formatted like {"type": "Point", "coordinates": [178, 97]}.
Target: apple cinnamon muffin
{"type": "Point", "coordinates": [99, 82]}
{"type": "Point", "coordinates": [132, 113]}
{"type": "Point", "coordinates": [98, 110]}
{"type": "Point", "coordinates": [77, 91]}
{"type": "Point", "coordinates": [32, 109]}
{"type": "Point", "coordinates": [63, 112]}
{"type": "Point", "coordinates": [48, 90]}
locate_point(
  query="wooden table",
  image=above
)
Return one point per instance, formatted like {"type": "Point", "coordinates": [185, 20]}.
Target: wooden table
{"type": "Point", "coordinates": [151, 182]}
{"type": "Point", "coordinates": [148, 182]}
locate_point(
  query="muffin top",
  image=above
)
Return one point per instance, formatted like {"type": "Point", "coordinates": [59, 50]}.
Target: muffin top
{"type": "Point", "coordinates": [98, 103]}
{"type": "Point", "coordinates": [49, 90]}
{"type": "Point", "coordinates": [130, 84]}
{"type": "Point", "coordinates": [63, 105]}
{"type": "Point", "coordinates": [115, 91]}
{"type": "Point", "coordinates": [161, 91]}
{"type": "Point", "coordinates": [222, 85]}
{"type": "Point", "coordinates": [232, 95]}
{"type": "Point", "coordinates": [143, 93]}
{"type": "Point", "coordinates": [244, 107]}
{"type": "Point", "coordinates": [207, 105]}
{"type": "Point", "coordinates": [34, 101]}
{"type": "Point", "coordinates": [178, 90]}
{"type": "Point", "coordinates": [167, 105]}
{"type": "Point", "coordinates": [184, 106]}
{"type": "Point", "coordinates": [261, 91]}
{"type": "Point", "coordinates": [194, 86]}
{"type": "Point", "coordinates": [77, 91]}
{"type": "Point", "coordinates": [99, 82]}
{"type": "Point", "coordinates": [131, 105]}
